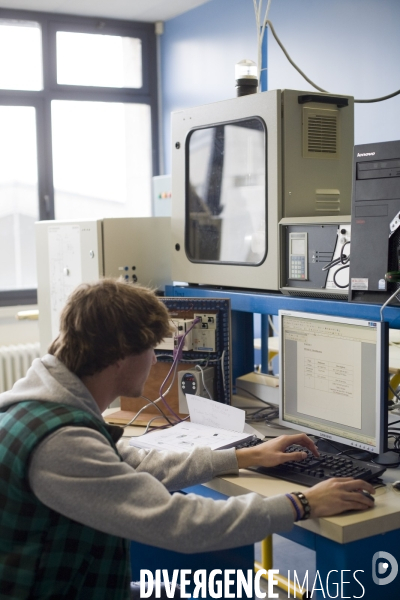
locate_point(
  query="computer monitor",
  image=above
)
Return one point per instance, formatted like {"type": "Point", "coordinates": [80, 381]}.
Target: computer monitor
{"type": "Point", "coordinates": [333, 378]}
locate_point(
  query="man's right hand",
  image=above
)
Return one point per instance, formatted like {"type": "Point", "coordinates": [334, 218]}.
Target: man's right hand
{"type": "Point", "coordinates": [336, 495]}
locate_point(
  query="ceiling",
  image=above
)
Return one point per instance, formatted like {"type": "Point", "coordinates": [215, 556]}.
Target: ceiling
{"type": "Point", "coordinates": [133, 10]}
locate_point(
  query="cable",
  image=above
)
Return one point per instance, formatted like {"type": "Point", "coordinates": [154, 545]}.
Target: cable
{"type": "Point", "coordinates": [282, 47]}
{"type": "Point", "coordinates": [379, 99]}
{"type": "Point", "coordinates": [271, 324]}
{"type": "Point", "coordinates": [149, 427]}
{"type": "Point", "coordinates": [334, 277]}
{"type": "Point", "coordinates": [344, 260]}
{"type": "Point", "coordinates": [239, 387]}
{"type": "Point", "coordinates": [387, 302]}
{"type": "Point", "coordinates": [174, 367]}
{"type": "Point", "coordinates": [223, 371]}
{"type": "Point", "coordinates": [331, 264]}
{"type": "Point", "coordinates": [263, 413]}
{"type": "Point", "coordinates": [173, 370]}
{"type": "Point", "coordinates": [191, 360]}
{"type": "Point", "coordinates": [150, 403]}
{"type": "Point", "coordinates": [395, 393]}
{"type": "Point", "coordinates": [285, 52]}
{"type": "Point", "coordinates": [199, 368]}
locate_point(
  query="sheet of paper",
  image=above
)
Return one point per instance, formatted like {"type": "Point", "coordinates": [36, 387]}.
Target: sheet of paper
{"type": "Point", "coordinates": [184, 437]}
{"type": "Point", "coordinates": [251, 431]}
{"type": "Point", "coordinates": [214, 414]}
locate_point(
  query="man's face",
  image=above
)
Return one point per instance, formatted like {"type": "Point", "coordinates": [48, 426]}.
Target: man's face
{"type": "Point", "coordinates": [134, 372]}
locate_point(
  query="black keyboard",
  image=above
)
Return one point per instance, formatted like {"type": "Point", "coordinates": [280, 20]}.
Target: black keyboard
{"type": "Point", "coordinates": [312, 470]}
{"type": "Point", "coordinates": [253, 441]}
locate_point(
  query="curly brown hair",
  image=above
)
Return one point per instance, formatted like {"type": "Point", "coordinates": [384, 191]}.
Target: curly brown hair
{"type": "Point", "coordinates": [106, 321]}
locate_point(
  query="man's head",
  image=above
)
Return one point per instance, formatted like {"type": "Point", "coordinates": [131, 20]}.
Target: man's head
{"type": "Point", "coordinates": [106, 321]}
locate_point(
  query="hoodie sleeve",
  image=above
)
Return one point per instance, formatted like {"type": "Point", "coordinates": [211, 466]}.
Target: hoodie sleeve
{"type": "Point", "coordinates": [77, 473]}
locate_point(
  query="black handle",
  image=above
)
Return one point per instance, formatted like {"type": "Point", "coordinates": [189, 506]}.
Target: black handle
{"type": "Point", "coordinates": [340, 102]}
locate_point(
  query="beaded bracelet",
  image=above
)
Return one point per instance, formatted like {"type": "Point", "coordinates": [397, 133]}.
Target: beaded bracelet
{"type": "Point", "coordinates": [305, 504]}
{"type": "Point", "coordinates": [296, 506]}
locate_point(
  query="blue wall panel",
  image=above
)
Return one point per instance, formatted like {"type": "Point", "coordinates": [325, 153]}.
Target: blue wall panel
{"type": "Point", "coordinates": [199, 51]}
{"type": "Point", "coordinates": [347, 47]}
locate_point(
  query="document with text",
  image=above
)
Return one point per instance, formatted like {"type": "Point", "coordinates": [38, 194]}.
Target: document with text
{"type": "Point", "coordinates": [211, 424]}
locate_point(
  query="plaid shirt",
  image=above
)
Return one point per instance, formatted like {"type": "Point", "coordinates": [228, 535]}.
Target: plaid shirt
{"type": "Point", "coordinates": [44, 555]}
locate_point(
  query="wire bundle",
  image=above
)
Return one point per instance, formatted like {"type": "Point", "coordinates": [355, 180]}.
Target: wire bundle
{"type": "Point", "coordinates": [260, 36]}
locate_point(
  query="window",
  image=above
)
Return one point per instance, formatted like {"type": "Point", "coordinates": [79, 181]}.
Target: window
{"type": "Point", "coordinates": [78, 116]}
{"type": "Point", "coordinates": [21, 52]}
{"type": "Point", "coordinates": [110, 166]}
{"type": "Point", "coordinates": [99, 60]}
{"type": "Point", "coordinates": [19, 206]}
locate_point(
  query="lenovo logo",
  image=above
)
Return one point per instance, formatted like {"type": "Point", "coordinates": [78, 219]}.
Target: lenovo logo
{"type": "Point", "coordinates": [365, 154]}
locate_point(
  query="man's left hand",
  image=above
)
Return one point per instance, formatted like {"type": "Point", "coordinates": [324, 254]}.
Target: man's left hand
{"type": "Point", "coordinates": [272, 453]}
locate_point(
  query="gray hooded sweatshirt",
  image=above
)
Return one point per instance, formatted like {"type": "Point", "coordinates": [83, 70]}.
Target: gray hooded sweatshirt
{"type": "Point", "coordinates": [77, 473]}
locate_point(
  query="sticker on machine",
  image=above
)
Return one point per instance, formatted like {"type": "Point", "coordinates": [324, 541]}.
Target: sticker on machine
{"type": "Point", "coordinates": [359, 283]}
{"type": "Point", "coordinates": [381, 284]}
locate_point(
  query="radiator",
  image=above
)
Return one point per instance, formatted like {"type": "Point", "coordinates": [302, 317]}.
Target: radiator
{"type": "Point", "coordinates": [14, 363]}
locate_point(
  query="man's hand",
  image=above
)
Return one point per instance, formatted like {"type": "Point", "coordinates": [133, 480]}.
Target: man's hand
{"type": "Point", "coordinates": [273, 453]}
{"type": "Point", "coordinates": [327, 498]}
{"type": "Point", "coordinates": [337, 495]}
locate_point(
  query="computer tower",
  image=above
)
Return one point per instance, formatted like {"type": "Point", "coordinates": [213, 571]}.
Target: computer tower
{"type": "Point", "coordinates": [375, 222]}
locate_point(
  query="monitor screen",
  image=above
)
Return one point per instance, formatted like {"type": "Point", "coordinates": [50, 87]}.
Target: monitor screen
{"type": "Point", "coordinates": [333, 378]}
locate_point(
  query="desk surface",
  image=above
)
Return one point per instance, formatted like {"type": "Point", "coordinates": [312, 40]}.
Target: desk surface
{"type": "Point", "coordinates": [384, 517]}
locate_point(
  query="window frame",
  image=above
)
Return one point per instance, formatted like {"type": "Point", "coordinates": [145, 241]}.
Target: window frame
{"type": "Point", "coordinates": [50, 24]}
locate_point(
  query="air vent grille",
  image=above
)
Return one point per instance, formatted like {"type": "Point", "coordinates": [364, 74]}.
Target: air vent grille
{"type": "Point", "coordinates": [313, 294]}
{"type": "Point", "coordinates": [320, 133]}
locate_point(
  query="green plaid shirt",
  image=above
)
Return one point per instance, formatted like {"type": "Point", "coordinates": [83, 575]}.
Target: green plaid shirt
{"type": "Point", "coordinates": [44, 555]}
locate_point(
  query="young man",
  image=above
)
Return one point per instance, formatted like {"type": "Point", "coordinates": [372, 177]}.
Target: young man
{"type": "Point", "coordinates": [71, 496]}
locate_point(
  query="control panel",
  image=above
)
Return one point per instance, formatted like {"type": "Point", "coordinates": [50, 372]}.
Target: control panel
{"type": "Point", "coordinates": [199, 382]}
{"type": "Point", "coordinates": [204, 333]}
{"type": "Point", "coordinates": [298, 255]}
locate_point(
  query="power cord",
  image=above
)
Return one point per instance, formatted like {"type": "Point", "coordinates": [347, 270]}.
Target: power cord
{"type": "Point", "coordinates": [199, 368]}
{"type": "Point", "coordinates": [177, 356]}
{"type": "Point", "coordinates": [239, 387]}
{"type": "Point", "coordinates": [317, 87]}
{"type": "Point", "coordinates": [173, 369]}
{"type": "Point", "coordinates": [344, 260]}
{"type": "Point", "coordinates": [150, 403]}
{"type": "Point", "coordinates": [395, 394]}
{"type": "Point", "coordinates": [394, 295]}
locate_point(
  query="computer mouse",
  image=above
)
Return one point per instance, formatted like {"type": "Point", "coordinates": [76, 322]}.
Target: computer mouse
{"type": "Point", "coordinates": [368, 495]}
{"type": "Point", "coordinates": [396, 486]}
